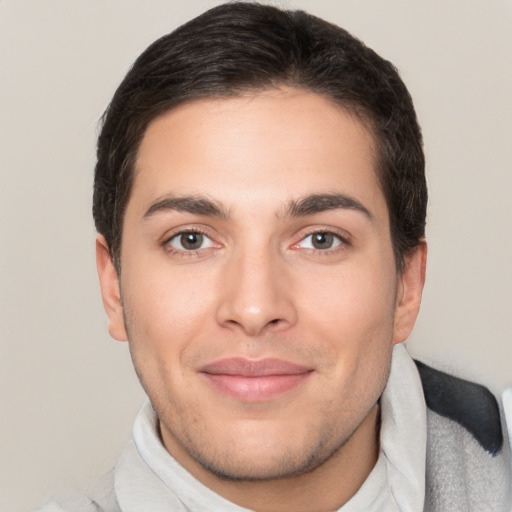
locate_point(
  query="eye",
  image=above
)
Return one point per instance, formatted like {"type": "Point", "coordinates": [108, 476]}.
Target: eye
{"type": "Point", "coordinates": [190, 241]}
{"type": "Point", "coordinates": [321, 240]}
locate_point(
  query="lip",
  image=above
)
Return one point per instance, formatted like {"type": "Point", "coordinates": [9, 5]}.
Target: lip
{"type": "Point", "coordinates": [254, 380]}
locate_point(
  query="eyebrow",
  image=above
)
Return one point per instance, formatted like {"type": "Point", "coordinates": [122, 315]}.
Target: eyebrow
{"type": "Point", "coordinates": [308, 205]}
{"type": "Point", "coordinates": [318, 203]}
{"type": "Point", "coordinates": [191, 204]}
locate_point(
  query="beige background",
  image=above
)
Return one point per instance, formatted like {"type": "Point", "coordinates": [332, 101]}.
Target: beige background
{"type": "Point", "coordinates": [68, 393]}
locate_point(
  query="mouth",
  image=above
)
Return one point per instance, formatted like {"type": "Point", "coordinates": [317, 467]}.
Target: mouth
{"type": "Point", "coordinates": [254, 380]}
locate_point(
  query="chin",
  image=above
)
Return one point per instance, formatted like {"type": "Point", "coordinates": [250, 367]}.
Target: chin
{"type": "Point", "coordinates": [254, 469]}
{"type": "Point", "coordinates": [265, 455]}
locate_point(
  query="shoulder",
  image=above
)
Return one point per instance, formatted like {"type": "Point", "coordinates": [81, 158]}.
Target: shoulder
{"type": "Point", "coordinates": [70, 504]}
{"type": "Point", "coordinates": [467, 463]}
{"type": "Point", "coordinates": [101, 499]}
{"type": "Point", "coordinates": [470, 405]}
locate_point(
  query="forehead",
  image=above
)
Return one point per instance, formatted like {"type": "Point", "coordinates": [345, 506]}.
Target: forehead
{"type": "Point", "coordinates": [291, 141]}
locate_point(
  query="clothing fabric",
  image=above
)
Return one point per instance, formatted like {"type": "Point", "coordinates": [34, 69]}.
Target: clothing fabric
{"type": "Point", "coordinates": [432, 459]}
{"type": "Point", "coordinates": [507, 405]}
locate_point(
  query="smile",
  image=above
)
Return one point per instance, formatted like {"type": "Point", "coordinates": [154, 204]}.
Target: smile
{"type": "Point", "coordinates": [254, 381]}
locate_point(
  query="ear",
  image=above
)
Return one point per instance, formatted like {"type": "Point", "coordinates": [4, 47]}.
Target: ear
{"type": "Point", "coordinates": [110, 290]}
{"type": "Point", "coordinates": [409, 292]}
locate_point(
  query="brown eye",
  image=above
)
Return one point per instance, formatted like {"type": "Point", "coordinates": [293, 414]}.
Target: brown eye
{"type": "Point", "coordinates": [322, 240]}
{"type": "Point", "coordinates": [190, 241]}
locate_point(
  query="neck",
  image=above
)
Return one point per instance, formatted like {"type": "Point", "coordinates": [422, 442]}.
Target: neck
{"type": "Point", "coordinates": [328, 487]}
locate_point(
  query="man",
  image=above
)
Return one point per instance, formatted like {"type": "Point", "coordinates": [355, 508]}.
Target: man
{"type": "Point", "coordinates": [260, 200]}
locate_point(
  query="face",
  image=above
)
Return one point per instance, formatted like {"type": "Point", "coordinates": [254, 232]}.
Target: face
{"type": "Point", "coordinates": [258, 288]}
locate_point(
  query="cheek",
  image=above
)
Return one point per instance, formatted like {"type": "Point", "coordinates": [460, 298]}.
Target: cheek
{"type": "Point", "coordinates": [352, 312]}
{"type": "Point", "coordinates": [166, 308]}
{"type": "Point", "coordinates": [355, 303]}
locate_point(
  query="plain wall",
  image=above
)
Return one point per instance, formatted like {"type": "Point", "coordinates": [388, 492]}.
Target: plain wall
{"type": "Point", "coordinates": [68, 392]}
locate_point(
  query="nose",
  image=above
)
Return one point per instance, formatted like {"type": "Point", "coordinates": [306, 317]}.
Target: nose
{"type": "Point", "coordinates": [256, 294]}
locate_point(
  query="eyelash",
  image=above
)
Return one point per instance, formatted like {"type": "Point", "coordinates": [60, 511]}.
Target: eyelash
{"type": "Point", "coordinates": [183, 252]}
{"type": "Point", "coordinates": [343, 242]}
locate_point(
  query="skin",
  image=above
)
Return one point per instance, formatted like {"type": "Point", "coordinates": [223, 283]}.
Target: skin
{"type": "Point", "coordinates": [257, 287]}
